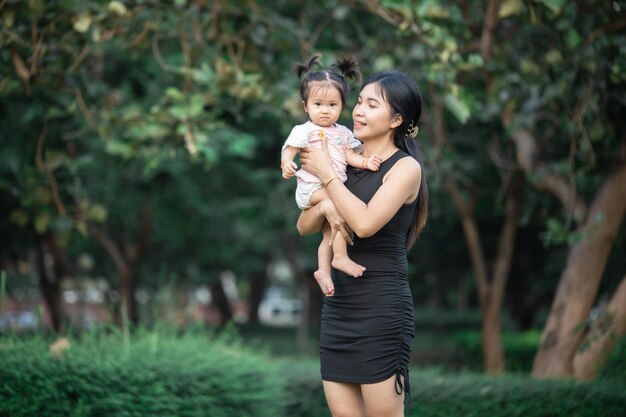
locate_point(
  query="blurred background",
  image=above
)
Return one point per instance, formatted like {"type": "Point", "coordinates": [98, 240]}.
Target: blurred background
{"type": "Point", "coordinates": [140, 180]}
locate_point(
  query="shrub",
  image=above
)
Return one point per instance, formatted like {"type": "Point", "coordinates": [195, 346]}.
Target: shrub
{"type": "Point", "coordinates": [162, 373]}
{"type": "Point", "coordinates": [152, 374]}
{"type": "Point", "coordinates": [446, 320]}
{"type": "Point", "coordinates": [615, 369]}
{"type": "Point", "coordinates": [470, 395]}
{"type": "Point", "coordinates": [519, 349]}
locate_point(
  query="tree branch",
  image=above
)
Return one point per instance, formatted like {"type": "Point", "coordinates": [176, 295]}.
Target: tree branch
{"type": "Point", "coordinates": [543, 179]}
{"type": "Point", "coordinates": [506, 244]}
{"type": "Point", "coordinates": [109, 246]}
{"type": "Point", "coordinates": [44, 168]}
{"type": "Point", "coordinates": [472, 237]}
{"type": "Point", "coordinates": [84, 109]}
{"type": "Point", "coordinates": [489, 26]}
{"type": "Point", "coordinates": [144, 234]}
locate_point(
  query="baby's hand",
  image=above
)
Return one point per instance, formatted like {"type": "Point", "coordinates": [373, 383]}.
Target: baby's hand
{"type": "Point", "coordinates": [373, 162]}
{"type": "Point", "coordinates": [288, 168]}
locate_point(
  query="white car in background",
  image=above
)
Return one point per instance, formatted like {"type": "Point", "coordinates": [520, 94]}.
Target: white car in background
{"type": "Point", "coordinates": [278, 311]}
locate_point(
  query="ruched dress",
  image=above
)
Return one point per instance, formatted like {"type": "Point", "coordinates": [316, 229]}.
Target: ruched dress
{"type": "Point", "coordinates": [367, 326]}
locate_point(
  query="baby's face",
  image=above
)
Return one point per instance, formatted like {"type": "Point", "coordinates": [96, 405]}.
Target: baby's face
{"type": "Point", "coordinates": [323, 105]}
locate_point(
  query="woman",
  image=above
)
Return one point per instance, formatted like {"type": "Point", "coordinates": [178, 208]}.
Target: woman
{"type": "Point", "coordinates": [367, 326]}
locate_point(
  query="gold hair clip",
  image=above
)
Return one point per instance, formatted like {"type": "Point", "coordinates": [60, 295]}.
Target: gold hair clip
{"type": "Point", "coordinates": [412, 130]}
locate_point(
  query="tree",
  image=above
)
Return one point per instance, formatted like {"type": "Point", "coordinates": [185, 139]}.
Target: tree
{"type": "Point", "coordinates": [65, 63]}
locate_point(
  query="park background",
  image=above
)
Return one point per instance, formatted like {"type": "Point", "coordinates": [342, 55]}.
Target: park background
{"type": "Point", "coordinates": [150, 262]}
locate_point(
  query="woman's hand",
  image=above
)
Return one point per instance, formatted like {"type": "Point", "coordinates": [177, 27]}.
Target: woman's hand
{"type": "Point", "coordinates": [336, 222]}
{"type": "Point", "coordinates": [317, 162]}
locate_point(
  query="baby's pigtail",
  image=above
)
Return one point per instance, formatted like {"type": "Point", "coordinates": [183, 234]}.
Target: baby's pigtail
{"type": "Point", "coordinates": [302, 69]}
{"type": "Point", "coordinates": [349, 68]}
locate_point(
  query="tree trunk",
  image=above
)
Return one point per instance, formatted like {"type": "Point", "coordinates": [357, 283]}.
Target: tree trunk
{"type": "Point", "coordinates": [580, 280]}
{"type": "Point", "coordinates": [126, 262]}
{"type": "Point", "coordinates": [258, 283]}
{"type": "Point", "coordinates": [127, 295]}
{"type": "Point", "coordinates": [603, 334]}
{"type": "Point", "coordinates": [221, 301]}
{"type": "Point", "coordinates": [303, 282]}
{"type": "Point", "coordinates": [491, 335]}
{"type": "Point", "coordinates": [50, 287]}
{"type": "Point", "coordinates": [491, 292]}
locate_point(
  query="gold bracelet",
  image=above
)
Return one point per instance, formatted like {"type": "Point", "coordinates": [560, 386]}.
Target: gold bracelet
{"type": "Point", "coordinates": [330, 180]}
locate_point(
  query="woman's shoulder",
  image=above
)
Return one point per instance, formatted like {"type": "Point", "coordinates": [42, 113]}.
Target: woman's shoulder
{"type": "Point", "coordinates": [405, 164]}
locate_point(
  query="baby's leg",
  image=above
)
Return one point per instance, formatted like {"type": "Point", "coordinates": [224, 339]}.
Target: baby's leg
{"type": "Point", "coordinates": [341, 261]}
{"type": "Point", "coordinates": [319, 195]}
{"type": "Point", "coordinates": [324, 255]}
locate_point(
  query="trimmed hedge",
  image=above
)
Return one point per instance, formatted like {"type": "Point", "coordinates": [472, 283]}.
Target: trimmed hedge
{"type": "Point", "coordinates": [169, 374]}
{"type": "Point", "coordinates": [479, 396]}
{"type": "Point", "coordinates": [470, 395]}
{"type": "Point", "coordinates": [151, 375]}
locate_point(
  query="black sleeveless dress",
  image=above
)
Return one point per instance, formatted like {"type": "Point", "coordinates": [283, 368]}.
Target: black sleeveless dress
{"type": "Point", "coordinates": [367, 326]}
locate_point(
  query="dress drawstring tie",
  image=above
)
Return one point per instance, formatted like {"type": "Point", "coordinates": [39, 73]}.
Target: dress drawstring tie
{"type": "Point", "coordinates": [403, 386]}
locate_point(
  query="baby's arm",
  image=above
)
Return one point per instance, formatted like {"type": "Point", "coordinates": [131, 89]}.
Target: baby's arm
{"type": "Point", "coordinates": [287, 165]}
{"type": "Point", "coordinates": [359, 161]}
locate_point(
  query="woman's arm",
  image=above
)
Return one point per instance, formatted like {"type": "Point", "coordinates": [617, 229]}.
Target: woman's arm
{"type": "Point", "coordinates": [400, 186]}
{"type": "Point", "coordinates": [311, 221]}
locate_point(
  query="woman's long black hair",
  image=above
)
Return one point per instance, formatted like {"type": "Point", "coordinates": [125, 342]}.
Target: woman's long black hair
{"type": "Point", "coordinates": [403, 95]}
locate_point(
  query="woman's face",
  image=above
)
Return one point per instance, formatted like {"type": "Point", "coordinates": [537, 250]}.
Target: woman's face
{"type": "Point", "coordinates": [372, 115]}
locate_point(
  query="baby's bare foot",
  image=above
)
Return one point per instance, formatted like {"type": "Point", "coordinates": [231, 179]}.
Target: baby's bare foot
{"type": "Point", "coordinates": [325, 282]}
{"type": "Point", "coordinates": [347, 265]}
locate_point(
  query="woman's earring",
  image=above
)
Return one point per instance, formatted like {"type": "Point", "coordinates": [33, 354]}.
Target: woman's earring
{"type": "Point", "coordinates": [412, 130]}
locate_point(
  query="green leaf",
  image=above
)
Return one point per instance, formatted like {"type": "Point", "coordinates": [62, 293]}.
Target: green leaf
{"type": "Point", "coordinates": [8, 17]}
{"type": "Point", "coordinates": [149, 130]}
{"type": "Point", "coordinates": [82, 228]}
{"type": "Point", "coordinates": [174, 93]}
{"type": "Point", "coordinates": [209, 153]}
{"type": "Point", "coordinates": [432, 9]}
{"type": "Point", "coordinates": [19, 217]}
{"type": "Point", "coordinates": [82, 22]}
{"type": "Point", "coordinates": [118, 8]}
{"type": "Point", "coordinates": [97, 212]}
{"type": "Point", "coordinates": [196, 107]}
{"type": "Point", "coordinates": [573, 38]}
{"type": "Point", "coordinates": [510, 8]}
{"type": "Point", "coordinates": [597, 131]}
{"type": "Point", "coordinates": [457, 107]}
{"type": "Point", "coordinates": [116, 147]}
{"type": "Point", "coordinates": [242, 145]}
{"type": "Point", "coordinates": [555, 6]}
{"type": "Point", "coordinates": [554, 57]}
{"type": "Point", "coordinates": [530, 67]}
{"type": "Point", "coordinates": [42, 221]}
